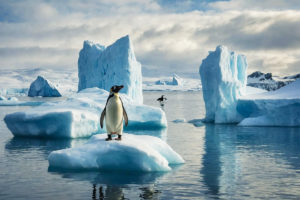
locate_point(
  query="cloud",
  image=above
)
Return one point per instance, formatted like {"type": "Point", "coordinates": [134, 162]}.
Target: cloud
{"type": "Point", "coordinates": [164, 41]}
{"type": "Point", "coordinates": [256, 5]}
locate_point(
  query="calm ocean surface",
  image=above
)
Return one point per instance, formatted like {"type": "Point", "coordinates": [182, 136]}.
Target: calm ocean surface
{"type": "Point", "coordinates": [222, 162]}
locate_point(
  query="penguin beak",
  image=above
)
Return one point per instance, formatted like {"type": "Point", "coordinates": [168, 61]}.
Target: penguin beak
{"type": "Point", "coordinates": [119, 88]}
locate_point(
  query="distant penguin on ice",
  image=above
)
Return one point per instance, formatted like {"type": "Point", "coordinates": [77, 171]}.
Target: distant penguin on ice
{"type": "Point", "coordinates": [114, 113]}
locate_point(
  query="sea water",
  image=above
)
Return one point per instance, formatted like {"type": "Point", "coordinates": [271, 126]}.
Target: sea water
{"type": "Point", "coordinates": [222, 162]}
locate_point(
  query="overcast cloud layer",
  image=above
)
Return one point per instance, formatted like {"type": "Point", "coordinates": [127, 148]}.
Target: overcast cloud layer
{"type": "Point", "coordinates": [168, 37]}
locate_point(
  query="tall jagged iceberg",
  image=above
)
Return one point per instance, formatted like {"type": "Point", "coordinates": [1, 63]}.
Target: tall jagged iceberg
{"type": "Point", "coordinates": [223, 75]}
{"type": "Point", "coordinates": [114, 65]}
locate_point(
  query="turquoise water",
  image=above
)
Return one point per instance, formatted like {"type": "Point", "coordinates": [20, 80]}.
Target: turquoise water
{"type": "Point", "coordinates": [222, 162]}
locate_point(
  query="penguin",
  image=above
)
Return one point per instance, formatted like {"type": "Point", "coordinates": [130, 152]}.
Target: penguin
{"type": "Point", "coordinates": [162, 98]}
{"type": "Point", "coordinates": [114, 113]}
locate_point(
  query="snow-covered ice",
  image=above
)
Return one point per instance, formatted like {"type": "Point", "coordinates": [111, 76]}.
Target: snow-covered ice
{"type": "Point", "coordinates": [16, 82]}
{"type": "Point", "coordinates": [275, 108]}
{"type": "Point", "coordinates": [268, 81]}
{"type": "Point", "coordinates": [133, 153]}
{"type": "Point", "coordinates": [115, 65]}
{"type": "Point", "coordinates": [43, 87]}
{"type": "Point", "coordinates": [79, 115]}
{"type": "Point", "coordinates": [176, 80]}
{"type": "Point", "coordinates": [223, 77]}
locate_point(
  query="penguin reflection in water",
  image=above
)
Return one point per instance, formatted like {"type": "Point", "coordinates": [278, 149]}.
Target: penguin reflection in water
{"type": "Point", "coordinates": [114, 113]}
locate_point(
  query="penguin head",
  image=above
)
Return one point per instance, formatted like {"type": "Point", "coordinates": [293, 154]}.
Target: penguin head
{"type": "Point", "coordinates": [116, 88]}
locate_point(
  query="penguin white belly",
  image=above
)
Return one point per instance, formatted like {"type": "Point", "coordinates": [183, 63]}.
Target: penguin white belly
{"type": "Point", "coordinates": [114, 116]}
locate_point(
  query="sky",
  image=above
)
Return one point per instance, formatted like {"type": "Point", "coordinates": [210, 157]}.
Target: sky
{"type": "Point", "coordinates": [169, 36]}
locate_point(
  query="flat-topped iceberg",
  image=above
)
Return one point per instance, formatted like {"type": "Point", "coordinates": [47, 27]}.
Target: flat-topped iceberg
{"type": "Point", "coordinates": [133, 153]}
{"type": "Point", "coordinates": [275, 108]}
{"type": "Point", "coordinates": [114, 65]}
{"type": "Point", "coordinates": [42, 87]}
{"type": "Point", "coordinates": [223, 77]}
{"type": "Point", "coordinates": [79, 115]}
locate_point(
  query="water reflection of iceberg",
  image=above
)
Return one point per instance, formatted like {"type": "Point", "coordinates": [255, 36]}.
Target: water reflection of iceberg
{"type": "Point", "coordinates": [234, 154]}
{"type": "Point", "coordinates": [109, 178]}
{"type": "Point", "coordinates": [110, 185]}
{"type": "Point", "coordinates": [18, 145]}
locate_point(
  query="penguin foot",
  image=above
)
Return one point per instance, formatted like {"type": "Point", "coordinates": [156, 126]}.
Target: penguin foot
{"type": "Point", "coordinates": [119, 137]}
{"type": "Point", "coordinates": [108, 138]}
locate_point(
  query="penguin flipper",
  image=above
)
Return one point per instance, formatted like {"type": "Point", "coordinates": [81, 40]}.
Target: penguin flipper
{"type": "Point", "coordinates": [102, 117]}
{"type": "Point", "coordinates": [125, 116]}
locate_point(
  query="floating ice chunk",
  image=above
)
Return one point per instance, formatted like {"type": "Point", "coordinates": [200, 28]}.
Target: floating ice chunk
{"type": "Point", "coordinates": [79, 115]}
{"type": "Point", "coordinates": [12, 99]}
{"type": "Point", "coordinates": [133, 153]}
{"type": "Point", "coordinates": [115, 65]}
{"type": "Point", "coordinates": [43, 87]}
{"type": "Point", "coordinates": [196, 122]}
{"type": "Point", "coordinates": [179, 121]}
{"type": "Point", "coordinates": [223, 76]}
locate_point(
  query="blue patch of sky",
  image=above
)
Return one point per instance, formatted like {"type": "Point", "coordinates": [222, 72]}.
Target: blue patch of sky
{"type": "Point", "coordinates": [186, 5]}
{"type": "Point", "coordinates": [7, 13]}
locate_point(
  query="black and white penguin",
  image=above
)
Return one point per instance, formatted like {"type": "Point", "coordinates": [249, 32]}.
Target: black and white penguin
{"type": "Point", "coordinates": [114, 113]}
{"type": "Point", "coordinates": [161, 99]}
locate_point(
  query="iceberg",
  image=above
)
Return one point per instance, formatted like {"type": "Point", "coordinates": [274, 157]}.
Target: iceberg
{"type": "Point", "coordinates": [134, 153]}
{"type": "Point", "coordinates": [2, 98]}
{"type": "Point", "coordinates": [187, 84]}
{"type": "Point", "coordinates": [275, 108]}
{"type": "Point", "coordinates": [223, 77]}
{"type": "Point", "coordinates": [227, 100]}
{"type": "Point", "coordinates": [42, 87]}
{"type": "Point", "coordinates": [114, 65]}
{"type": "Point", "coordinates": [176, 80]}
{"type": "Point", "coordinates": [79, 115]}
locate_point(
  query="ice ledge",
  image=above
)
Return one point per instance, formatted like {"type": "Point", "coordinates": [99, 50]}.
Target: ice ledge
{"type": "Point", "coordinates": [134, 153]}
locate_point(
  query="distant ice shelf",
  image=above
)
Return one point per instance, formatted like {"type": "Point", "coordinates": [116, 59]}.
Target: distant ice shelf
{"type": "Point", "coordinates": [78, 116]}
{"type": "Point", "coordinates": [134, 153]}
{"type": "Point", "coordinates": [166, 84]}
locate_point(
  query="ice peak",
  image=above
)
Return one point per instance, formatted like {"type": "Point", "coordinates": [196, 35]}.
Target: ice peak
{"type": "Point", "coordinates": [43, 87]}
{"type": "Point", "coordinates": [89, 44]}
{"type": "Point", "coordinates": [103, 67]}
